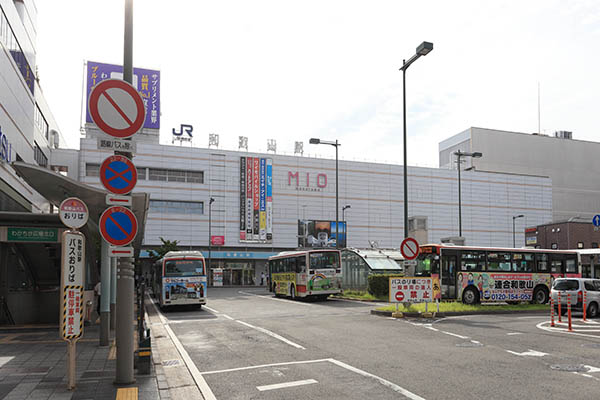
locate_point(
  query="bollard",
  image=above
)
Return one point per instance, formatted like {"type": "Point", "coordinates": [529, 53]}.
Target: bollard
{"type": "Point", "coordinates": [569, 311]}
{"type": "Point", "coordinates": [584, 303]}
{"type": "Point", "coordinates": [552, 312]}
{"type": "Point", "coordinates": [559, 312]}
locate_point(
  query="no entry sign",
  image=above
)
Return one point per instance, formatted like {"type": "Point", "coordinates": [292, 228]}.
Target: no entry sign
{"type": "Point", "coordinates": [118, 226]}
{"type": "Point", "coordinates": [409, 248]}
{"type": "Point", "coordinates": [118, 174]}
{"type": "Point", "coordinates": [117, 108]}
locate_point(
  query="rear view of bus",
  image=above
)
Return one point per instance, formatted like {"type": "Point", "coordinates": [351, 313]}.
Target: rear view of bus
{"type": "Point", "coordinates": [181, 278]}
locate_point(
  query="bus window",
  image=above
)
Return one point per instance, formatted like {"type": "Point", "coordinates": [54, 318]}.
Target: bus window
{"type": "Point", "coordinates": [542, 262]}
{"type": "Point", "coordinates": [184, 267]}
{"type": "Point", "coordinates": [522, 262]}
{"type": "Point", "coordinates": [571, 266]}
{"type": "Point", "coordinates": [427, 264]}
{"type": "Point", "coordinates": [472, 261]}
{"type": "Point", "coordinates": [322, 260]}
{"type": "Point", "coordinates": [301, 264]}
{"type": "Point", "coordinates": [556, 267]}
{"type": "Point", "coordinates": [500, 262]}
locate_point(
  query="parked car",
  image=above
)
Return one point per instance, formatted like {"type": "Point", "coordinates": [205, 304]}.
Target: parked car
{"type": "Point", "coordinates": [576, 287]}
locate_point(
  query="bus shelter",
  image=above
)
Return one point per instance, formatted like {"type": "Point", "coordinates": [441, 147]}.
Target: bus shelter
{"type": "Point", "coordinates": [358, 264]}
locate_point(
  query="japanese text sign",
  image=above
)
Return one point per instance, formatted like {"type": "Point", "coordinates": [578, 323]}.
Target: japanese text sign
{"type": "Point", "coordinates": [73, 258]}
{"type": "Point", "coordinates": [411, 290]}
{"type": "Point", "coordinates": [72, 321]}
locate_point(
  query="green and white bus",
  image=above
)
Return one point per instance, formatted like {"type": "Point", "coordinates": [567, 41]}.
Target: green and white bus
{"type": "Point", "coordinates": [306, 273]}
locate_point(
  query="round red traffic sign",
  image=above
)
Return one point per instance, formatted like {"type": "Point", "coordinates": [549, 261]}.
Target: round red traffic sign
{"type": "Point", "coordinates": [399, 296]}
{"type": "Point", "coordinates": [73, 212]}
{"type": "Point", "coordinates": [118, 174]}
{"type": "Point", "coordinates": [117, 108]}
{"type": "Point", "coordinates": [118, 226]}
{"type": "Point", "coordinates": [409, 248]}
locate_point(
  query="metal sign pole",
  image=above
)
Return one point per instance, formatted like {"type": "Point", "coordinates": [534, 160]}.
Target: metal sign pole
{"type": "Point", "coordinates": [104, 294]}
{"type": "Point", "coordinates": [71, 363]}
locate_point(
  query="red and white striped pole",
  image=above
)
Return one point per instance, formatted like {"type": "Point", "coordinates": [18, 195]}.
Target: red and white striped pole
{"type": "Point", "coordinates": [569, 311]}
{"type": "Point", "coordinates": [584, 303]}
{"type": "Point", "coordinates": [559, 313]}
{"type": "Point", "coordinates": [552, 312]}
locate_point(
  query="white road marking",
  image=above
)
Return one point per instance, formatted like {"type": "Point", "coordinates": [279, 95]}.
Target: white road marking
{"type": "Point", "coordinates": [286, 385]}
{"type": "Point", "coordinates": [272, 334]}
{"type": "Point", "coordinates": [455, 335]}
{"type": "Point", "coordinates": [198, 378]}
{"type": "Point", "coordinates": [276, 298]}
{"type": "Point", "coordinates": [366, 303]}
{"type": "Point", "coordinates": [514, 333]}
{"type": "Point", "coordinates": [228, 317]}
{"type": "Point", "coordinates": [540, 316]}
{"type": "Point", "coordinates": [565, 330]}
{"type": "Point", "coordinates": [4, 360]}
{"type": "Point", "coordinates": [585, 375]}
{"type": "Point", "coordinates": [212, 310]}
{"type": "Point", "coordinates": [384, 382]}
{"type": "Point", "coordinates": [591, 369]}
{"type": "Point", "coordinates": [532, 353]}
{"type": "Point", "coordinates": [475, 341]}
{"type": "Point", "coordinates": [428, 326]}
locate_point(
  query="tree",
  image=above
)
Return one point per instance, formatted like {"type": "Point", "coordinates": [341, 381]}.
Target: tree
{"type": "Point", "coordinates": [165, 247]}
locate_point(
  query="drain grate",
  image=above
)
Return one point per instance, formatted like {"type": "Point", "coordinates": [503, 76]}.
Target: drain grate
{"type": "Point", "coordinates": [469, 344]}
{"type": "Point", "coordinates": [170, 363]}
{"type": "Point", "coordinates": [569, 367]}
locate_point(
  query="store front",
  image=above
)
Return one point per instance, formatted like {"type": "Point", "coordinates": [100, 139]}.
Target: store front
{"type": "Point", "coordinates": [232, 268]}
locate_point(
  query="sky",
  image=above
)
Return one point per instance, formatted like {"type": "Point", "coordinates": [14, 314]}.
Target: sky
{"type": "Point", "coordinates": [290, 70]}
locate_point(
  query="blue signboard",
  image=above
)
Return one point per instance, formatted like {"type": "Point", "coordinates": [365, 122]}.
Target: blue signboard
{"type": "Point", "coordinates": [596, 220]}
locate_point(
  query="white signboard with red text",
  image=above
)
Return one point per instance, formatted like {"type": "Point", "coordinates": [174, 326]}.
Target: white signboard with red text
{"type": "Point", "coordinates": [72, 281]}
{"type": "Point", "coordinates": [411, 290]}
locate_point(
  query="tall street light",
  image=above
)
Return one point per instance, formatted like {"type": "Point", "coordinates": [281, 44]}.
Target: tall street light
{"type": "Point", "coordinates": [345, 208]}
{"type": "Point", "coordinates": [458, 155]}
{"type": "Point", "coordinates": [209, 232]}
{"type": "Point", "coordinates": [423, 49]}
{"type": "Point", "coordinates": [515, 217]}
{"type": "Point", "coordinates": [337, 209]}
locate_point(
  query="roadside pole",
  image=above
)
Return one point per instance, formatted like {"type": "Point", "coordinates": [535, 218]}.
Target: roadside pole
{"type": "Point", "coordinates": [113, 293]}
{"type": "Point", "coordinates": [104, 294]}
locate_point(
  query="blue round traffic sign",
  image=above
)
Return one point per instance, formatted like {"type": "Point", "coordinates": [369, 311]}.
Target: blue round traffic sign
{"type": "Point", "coordinates": [596, 220]}
{"type": "Point", "coordinates": [118, 226]}
{"type": "Point", "coordinates": [118, 174]}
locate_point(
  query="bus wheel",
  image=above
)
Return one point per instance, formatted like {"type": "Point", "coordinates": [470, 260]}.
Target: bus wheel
{"type": "Point", "coordinates": [293, 292]}
{"type": "Point", "coordinates": [540, 296]}
{"type": "Point", "coordinates": [470, 296]}
{"type": "Point", "coordinates": [592, 310]}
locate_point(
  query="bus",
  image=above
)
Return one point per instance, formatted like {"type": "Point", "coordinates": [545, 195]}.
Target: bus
{"type": "Point", "coordinates": [306, 273]}
{"type": "Point", "coordinates": [491, 274]}
{"type": "Point", "coordinates": [179, 278]}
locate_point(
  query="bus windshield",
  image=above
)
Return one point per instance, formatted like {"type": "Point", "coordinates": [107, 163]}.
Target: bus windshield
{"type": "Point", "coordinates": [426, 265]}
{"type": "Point", "coordinates": [326, 259]}
{"type": "Point", "coordinates": [184, 267]}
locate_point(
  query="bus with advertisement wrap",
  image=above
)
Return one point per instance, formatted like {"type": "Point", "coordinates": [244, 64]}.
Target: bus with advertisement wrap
{"type": "Point", "coordinates": [306, 273]}
{"type": "Point", "coordinates": [489, 274]}
{"type": "Point", "coordinates": [179, 278]}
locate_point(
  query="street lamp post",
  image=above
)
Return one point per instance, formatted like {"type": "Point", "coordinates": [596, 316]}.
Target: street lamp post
{"type": "Point", "coordinates": [337, 208]}
{"type": "Point", "coordinates": [345, 208]}
{"type": "Point", "coordinates": [458, 155]}
{"type": "Point", "coordinates": [423, 49]}
{"type": "Point", "coordinates": [515, 217]}
{"type": "Point", "coordinates": [212, 200]}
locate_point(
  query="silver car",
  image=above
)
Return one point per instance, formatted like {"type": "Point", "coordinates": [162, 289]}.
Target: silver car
{"type": "Point", "coordinates": [576, 287]}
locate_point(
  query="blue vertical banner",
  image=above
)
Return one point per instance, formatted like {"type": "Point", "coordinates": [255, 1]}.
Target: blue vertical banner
{"type": "Point", "coordinates": [269, 199]}
{"type": "Point", "coordinates": [263, 198]}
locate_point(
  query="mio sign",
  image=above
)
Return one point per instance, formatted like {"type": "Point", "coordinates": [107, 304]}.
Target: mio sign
{"type": "Point", "coordinates": [307, 181]}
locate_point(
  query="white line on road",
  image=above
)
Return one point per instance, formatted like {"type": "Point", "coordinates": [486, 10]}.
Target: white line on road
{"type": "Point", "coordinates": [286, 385]}
{"type": "Point", "coordinates": [384, 382]}
{"type": "Point", "coordinates": [228, 317]}
{"type": "Point", "coordinates": [532, 353]}
{"type": "Point", "coordinates": [276, 299]}
{"type": "Point", "coordinates": [272, 334]}
{"type": "Point", "coordinates": [564, 330]}
{"type": "Point", "coordinates": [198, 378]}
{"type": "Point", "coordinates": [4, 360]}
{"type": "Point", "coordinates": [265, 366]}
{"type": "Point", "coordinates": [212, 310]}
{"type": "Point", "coordinates": [514, 333]}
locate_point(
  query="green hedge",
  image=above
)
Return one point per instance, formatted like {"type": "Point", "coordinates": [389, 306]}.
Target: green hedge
{"type": "Point", "coordinates": [379, 284]}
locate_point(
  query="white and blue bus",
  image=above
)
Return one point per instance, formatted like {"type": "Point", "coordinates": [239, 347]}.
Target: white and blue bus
{"type": "Point", "coordinates": [179, 278]}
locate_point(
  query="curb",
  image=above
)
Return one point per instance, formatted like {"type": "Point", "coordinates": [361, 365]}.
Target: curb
{"type": "Point", "coordinates": [450, 313]}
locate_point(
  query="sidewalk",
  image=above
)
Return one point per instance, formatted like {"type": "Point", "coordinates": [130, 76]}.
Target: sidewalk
{"type": "Point", "coordinates": [33, 366]}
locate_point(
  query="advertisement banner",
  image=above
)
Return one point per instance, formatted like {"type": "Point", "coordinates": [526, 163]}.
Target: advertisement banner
{"type": "Point", "coordinates": [411, 290]}
{"type": "Point", "coordinates": [182, 288]}
{"type": "Point", "coordinates": [242, 198]}
{"type": "Point", "coordinates": [146, 81]}
{"type": "Point", "coordinates": [494, 287]}
{"type": "Point", "coordinates": [249, 199]}
{"type": "Point", "coordinates": [256, 195]}
{"type": "Point", "coordinates": [269, 199]}
{"type": "Point", "coordinates": [217, 240]}
{"type": "Point", "coordinates": [320, 233]}
{"type": "Point", "coordinates": [217, 276]}
{"type": "Point", "coordinates": [263, 197]}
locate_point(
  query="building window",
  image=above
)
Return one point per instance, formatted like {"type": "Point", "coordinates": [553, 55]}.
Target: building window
{"type": "Point", "coordinates": [175, 175]}
{"type": "Point", "coordinates": [39, 156]}
{"type": "Point", "coordinates": [594, 245]}
{"type": "Point", "coordinates": [40, 121]}
{"type": "Point", "coordinates": [554, 246]}
{"type": "Point", "coordinates": [92, 169]}
{"type": "Point", "coordinates": [580, 245]}
{"type": "Point", "coordinates": [177, 207]}
{"type": "Point", "coordinates": [10, 41]}
{"type": "Point", "coordinates": [141, 171]}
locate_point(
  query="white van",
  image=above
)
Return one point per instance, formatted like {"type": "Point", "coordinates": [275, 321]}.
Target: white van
{"type": "Point", "coordinates": [576, 287]}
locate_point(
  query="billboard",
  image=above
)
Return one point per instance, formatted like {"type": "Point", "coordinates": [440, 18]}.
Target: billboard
{"type": "Point", "coordinates": [146, 81]}
{"type": "Point", "coordinates": [320, 233]}
{"type": "Point", "coordinates": [256, 200]}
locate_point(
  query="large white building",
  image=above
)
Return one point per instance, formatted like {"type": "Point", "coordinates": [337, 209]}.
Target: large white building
{"type": "Point", "coordinates": [182, 179]}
